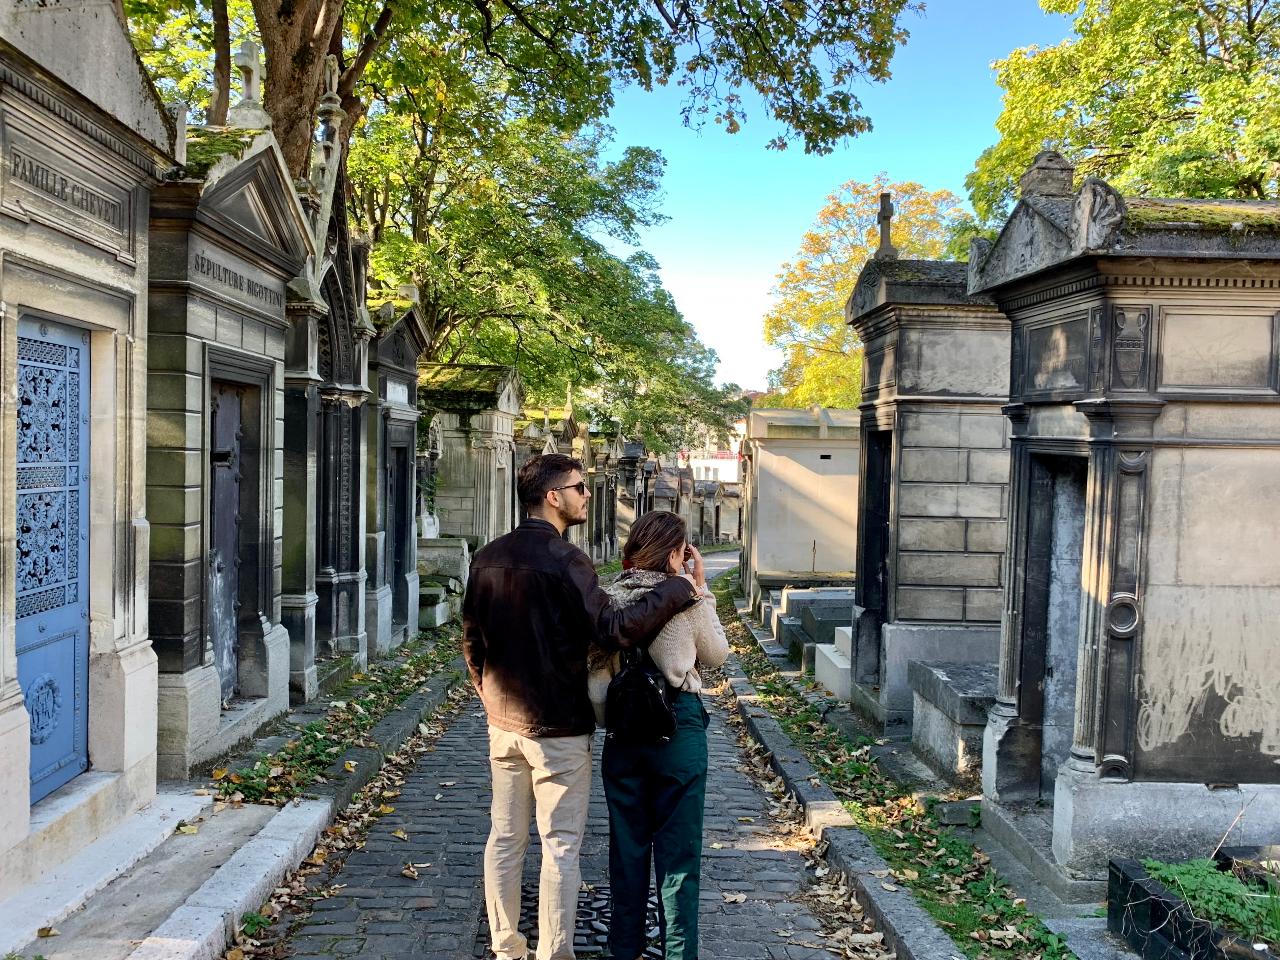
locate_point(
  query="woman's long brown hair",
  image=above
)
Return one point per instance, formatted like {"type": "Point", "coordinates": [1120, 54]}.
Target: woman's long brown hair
{"type": "Point", "coordinates": [652, 539]}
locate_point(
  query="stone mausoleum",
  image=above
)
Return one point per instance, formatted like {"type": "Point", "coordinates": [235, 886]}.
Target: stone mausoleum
{"type": "Point", "coordinates": [391, 591]}
{"type": "Point", "coordinates": [83, 142]}
{"type": "Point", "coordinates": [935, 468]}
{"type": "Point", "coordinates": [800, 499]}
{"type": "Point", "coordinates": [1137, 710]}
{"type": "Point", "coordinates": [226, 238]}
{"type": "Point", "coordinates": [476, 407]}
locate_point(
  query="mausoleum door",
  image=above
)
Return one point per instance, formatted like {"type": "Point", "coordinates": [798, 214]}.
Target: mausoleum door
{"type": "Point", "coordinates": [400, 526]}
{"type": "Point", "coordinates": [1052, 604]}
{"type": "Point", "coordinates": [873, 564]}
{"type": "Point", "coordinates": [52, 548]}
{"type": "Point", "coordinates": [225, 474]}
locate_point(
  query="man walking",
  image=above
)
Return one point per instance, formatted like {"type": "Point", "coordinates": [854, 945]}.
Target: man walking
{"type": "Point", "coordinates": [533, 606]}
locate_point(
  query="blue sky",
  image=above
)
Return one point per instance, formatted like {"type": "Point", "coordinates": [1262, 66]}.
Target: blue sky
{"type": "Point", "coordinates": [737, 211]}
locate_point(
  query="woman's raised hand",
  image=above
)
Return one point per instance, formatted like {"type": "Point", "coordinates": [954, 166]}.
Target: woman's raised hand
{"type": "Point", "coordinates": [695, 566]}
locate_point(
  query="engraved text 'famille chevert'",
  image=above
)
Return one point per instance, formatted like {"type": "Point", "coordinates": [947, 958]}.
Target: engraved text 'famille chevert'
{"type": "Point", "coordinates": [61, 187]}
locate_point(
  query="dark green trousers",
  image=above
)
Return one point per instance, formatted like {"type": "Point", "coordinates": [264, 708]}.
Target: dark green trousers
{"type": "Point", "coordinates": [656, 796]}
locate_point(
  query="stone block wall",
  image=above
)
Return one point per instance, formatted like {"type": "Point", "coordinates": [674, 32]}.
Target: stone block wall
{"type": "Point", "coordinates": [952, 513]}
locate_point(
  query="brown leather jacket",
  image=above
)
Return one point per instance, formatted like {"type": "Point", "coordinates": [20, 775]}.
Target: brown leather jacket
{"type": "Point", "coordinates": [532, 608]}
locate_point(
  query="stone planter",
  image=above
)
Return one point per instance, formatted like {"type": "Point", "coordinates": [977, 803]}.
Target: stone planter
{"type": "Point", "coordinates": [1158, 925]}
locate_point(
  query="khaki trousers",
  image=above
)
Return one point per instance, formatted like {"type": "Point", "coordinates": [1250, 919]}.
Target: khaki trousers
{"type": "Point", "coordinates": [552, 777]}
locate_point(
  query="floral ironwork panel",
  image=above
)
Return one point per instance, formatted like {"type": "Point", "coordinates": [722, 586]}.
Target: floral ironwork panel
{"type": "Point", "coordinates": [48, 475]}
{"type": "Point", "coordinates": [43, 418]}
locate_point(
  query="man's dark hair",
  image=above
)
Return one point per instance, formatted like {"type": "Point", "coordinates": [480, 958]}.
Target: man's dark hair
{"type": "Point", "coordinates": [544, 472]}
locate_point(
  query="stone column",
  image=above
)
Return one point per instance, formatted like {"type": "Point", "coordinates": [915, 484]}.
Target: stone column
{"type": "Point", "coordinates": [1114, 543]}
{"type": "Point", "coordinates": [298, 571]}
{"type": "Point", "coordinates": [1098, 496]}
{"type": "Point", "coordinates": [1014, 567]}
{"type": "Point", "coordinates": [377, 519]}
{"type": "Point", "coordinates": [1010, 748]}
{"type": "Point", "coordinates": [484, 474]}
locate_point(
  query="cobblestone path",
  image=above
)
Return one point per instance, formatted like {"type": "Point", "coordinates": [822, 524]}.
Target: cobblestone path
{"type": "Point", "coordinates": [382, 914]}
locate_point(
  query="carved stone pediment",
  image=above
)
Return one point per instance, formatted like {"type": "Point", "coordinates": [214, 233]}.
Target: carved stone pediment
{"type": "Point", "coordinates": [254, 200]}
{"type": "Point", "coordinates": [1096, 217]}
{"type": "Point", "coordinates": [866, 294]}
{"type": "Point", "coordinates": [1035, 237]}
{"type": "Point", "coordinates": [402, 342]}
{"type": "Point", "coordinates": [512, 395]}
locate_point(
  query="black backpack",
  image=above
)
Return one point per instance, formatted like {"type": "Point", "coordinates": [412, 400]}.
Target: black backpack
{"type": "Point", "coordinates": [637, 707]}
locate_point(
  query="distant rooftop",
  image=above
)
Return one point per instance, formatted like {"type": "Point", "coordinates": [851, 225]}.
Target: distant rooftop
{"type": "Point", "coordinates": [815, 422]}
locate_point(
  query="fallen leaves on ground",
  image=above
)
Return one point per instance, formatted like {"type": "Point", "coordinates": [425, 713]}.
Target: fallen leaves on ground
{"type": "Point", "coordinates": [844, 930]}
{"type": "Point", "coordinates": [315, 879]}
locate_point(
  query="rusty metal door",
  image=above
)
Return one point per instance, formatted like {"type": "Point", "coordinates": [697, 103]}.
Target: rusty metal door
{"type": "Point", "coordinates": [223, 596]}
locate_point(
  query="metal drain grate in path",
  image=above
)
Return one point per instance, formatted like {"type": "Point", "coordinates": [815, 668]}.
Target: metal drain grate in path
{"type": "Point", "coordinates": [591, 939]}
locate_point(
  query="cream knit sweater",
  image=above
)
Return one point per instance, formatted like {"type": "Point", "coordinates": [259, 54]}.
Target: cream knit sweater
{"type": "Point", "coordinates": [691, 638]}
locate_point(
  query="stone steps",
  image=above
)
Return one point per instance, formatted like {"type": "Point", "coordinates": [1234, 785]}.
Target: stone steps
{"type": "Point", "coordinates": [832, 666]}
{"type": "Point", "coordinates": [66, 888]}
{"type": "Point", "coordinates": [181, 898]}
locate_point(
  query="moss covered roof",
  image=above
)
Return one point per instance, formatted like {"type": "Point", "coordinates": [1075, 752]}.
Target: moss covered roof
{"type": "Point", "coordinates": [465, 385]}
{"type": "Point", "coordinates": [1215, 215]}
{"type": "Point", "coordinates": [207, 145]}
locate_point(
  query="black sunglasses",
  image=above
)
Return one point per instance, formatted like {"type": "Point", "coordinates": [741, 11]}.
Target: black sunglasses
{"type": "Point", "coordinates": [580, 486]}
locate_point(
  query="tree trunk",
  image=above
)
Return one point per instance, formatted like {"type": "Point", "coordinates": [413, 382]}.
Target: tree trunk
{"type": "Point", "coordinates": [296, 35]}
{"type": "Point", "coordinates": [220, 101]}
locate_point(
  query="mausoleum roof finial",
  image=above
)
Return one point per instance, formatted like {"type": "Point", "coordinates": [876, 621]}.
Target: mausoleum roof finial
{"type": "Point", "coordinates": [886, 251]}
{"type": "Point", "coordinates": [248, 113]}
{"type": "Point", "coordinates": [1050, 175]}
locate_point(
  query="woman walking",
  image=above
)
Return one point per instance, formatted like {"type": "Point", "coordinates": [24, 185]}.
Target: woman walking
{"type": "Point", "coordinates": [655, 793]}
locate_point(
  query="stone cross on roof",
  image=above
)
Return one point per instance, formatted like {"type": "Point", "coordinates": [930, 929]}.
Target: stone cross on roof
{"type": "Point", "coordinates": [250, 66]}
{"type": "Point", "coordinates": [887, 250]}
{"type": "Point", "coordinates": [248, 113]}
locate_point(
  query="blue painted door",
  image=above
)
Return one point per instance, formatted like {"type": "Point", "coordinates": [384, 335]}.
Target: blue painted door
{"type": "Point", "coordinates": [53, 545]}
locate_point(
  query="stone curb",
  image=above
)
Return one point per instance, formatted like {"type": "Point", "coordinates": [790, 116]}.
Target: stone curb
{"type": "Point", "coordinates": [201, 928]}
{"type": "Point", "coordinates": [389, 735]}
{"type": "Point", "coordinates": [908, 930]}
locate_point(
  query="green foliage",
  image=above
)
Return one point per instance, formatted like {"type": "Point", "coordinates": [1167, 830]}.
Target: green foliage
{"type": "Point", "coordinates": [952, 879]}
{"type": "Point", "coordinates": [1175, 98]}
{"type": "Point", "coordinates": [509, 224]}
{"type": "Point", "coordinates": [1219, 896]}
{"type": "Point", "coordinates": [822, 362]}
{"type": "Point", "coordinates": [175, 40]}
{"type": "Point", "coordinates": [803, 58]}
{"type": "Point", "coordinates": [254, 923]}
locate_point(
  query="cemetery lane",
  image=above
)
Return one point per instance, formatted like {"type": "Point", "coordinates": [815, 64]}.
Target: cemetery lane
{"type": "Point", "coordinates": [753, 867]}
